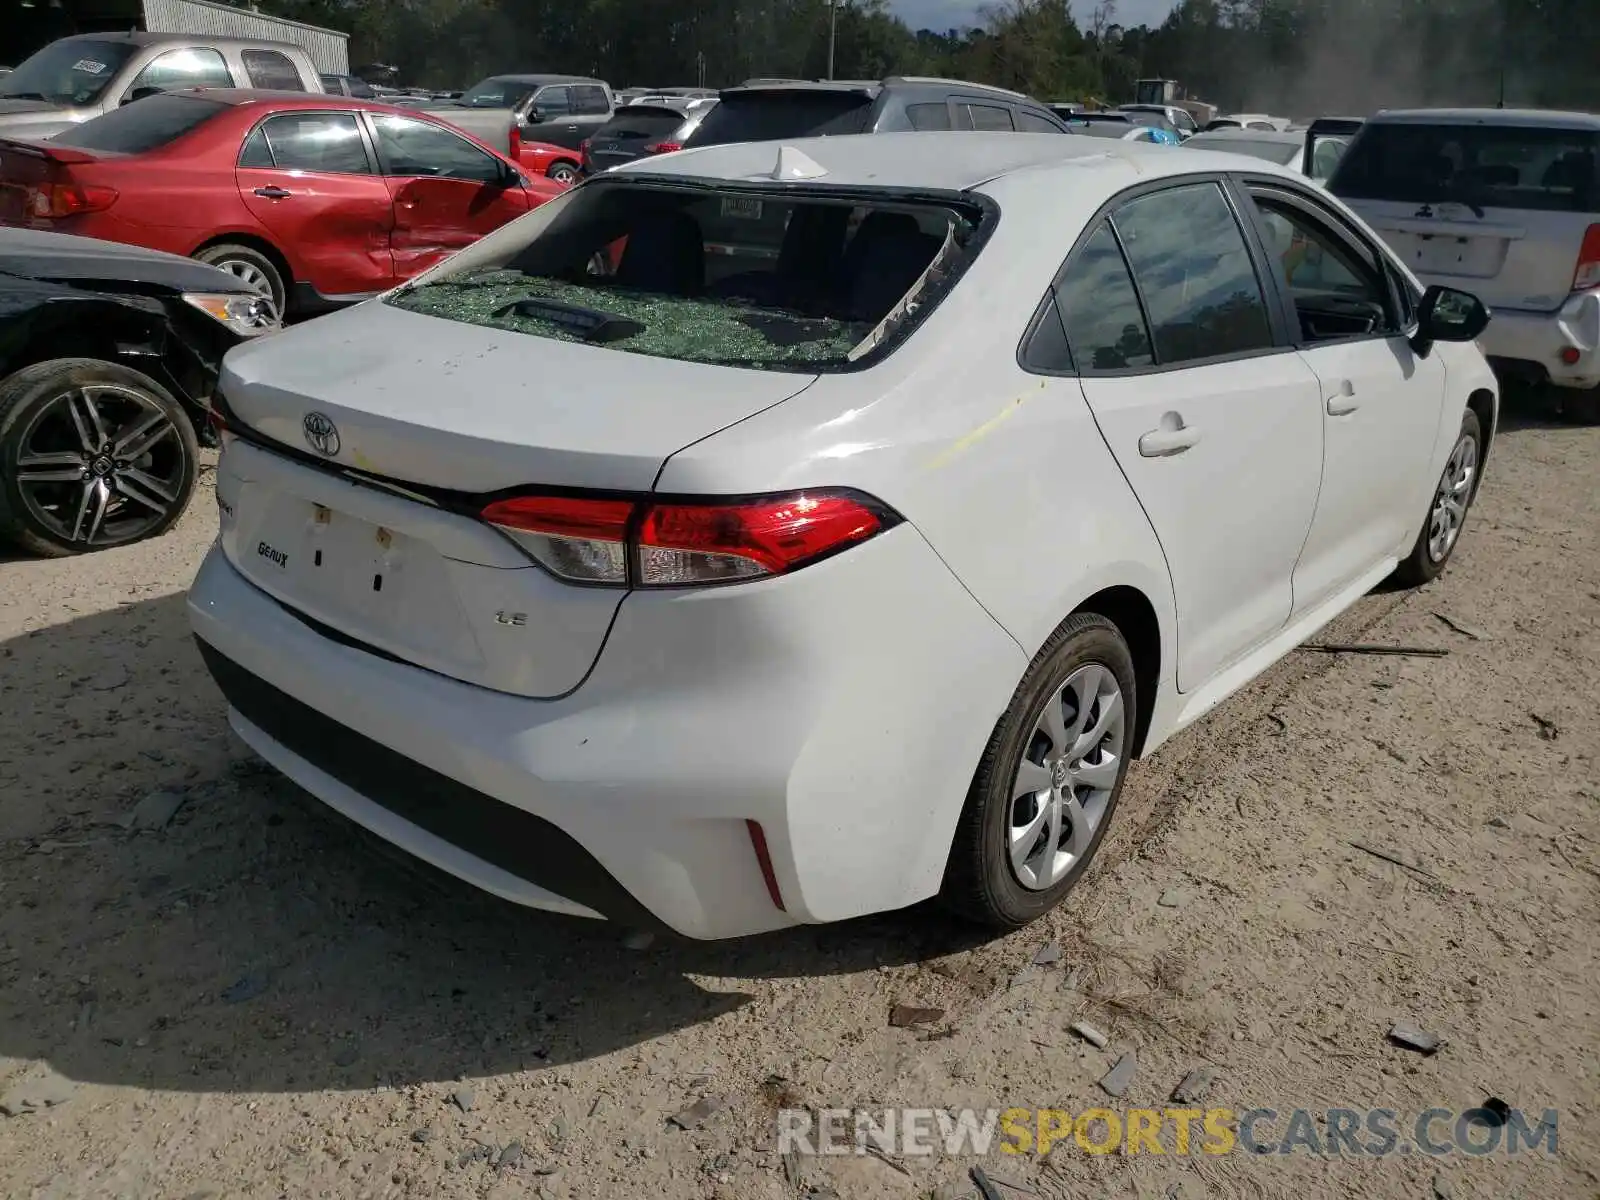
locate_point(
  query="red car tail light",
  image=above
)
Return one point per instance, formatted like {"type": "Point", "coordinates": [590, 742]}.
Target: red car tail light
{"type": "Point", "coordinates": [663, 147]}
{"type": "Point", "coordinates": [515, 145]}
{"type": "Point", "coordinates": [644, 543]}
{"type": "Point", "coordinates": [1587, 273]}
{"type": "Point", "coordinates": [717, 543]}
{"type": "Point", "coordinates": [54, 201]}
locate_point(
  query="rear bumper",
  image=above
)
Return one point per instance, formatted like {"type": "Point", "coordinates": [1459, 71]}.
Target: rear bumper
{"type": "Point", "coordinates": [1531, 345]}
{"type": "Point", "coordinates": [843, 708]}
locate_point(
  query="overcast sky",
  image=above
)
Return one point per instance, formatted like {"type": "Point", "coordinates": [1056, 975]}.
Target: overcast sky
{"type": "Point", "coordinates": [957, 14]}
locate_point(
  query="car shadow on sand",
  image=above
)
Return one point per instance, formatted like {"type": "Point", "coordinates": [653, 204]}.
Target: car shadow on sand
{"type": "Point", "coordinates": [259, 942]}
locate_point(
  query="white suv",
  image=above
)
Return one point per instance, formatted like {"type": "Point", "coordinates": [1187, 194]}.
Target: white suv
{"type": "Point", "coordinates": [1507, 205]}
{"type": "Point", "coordinates": [731, 588]}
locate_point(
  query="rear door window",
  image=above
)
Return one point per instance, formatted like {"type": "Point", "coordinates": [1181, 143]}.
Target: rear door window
{"type": "Point", "coordinates": [764, 116]}
{"type": "Point", "coordinates": [929, 116]}
{"type": "Point", "coordinates": [192, 66]}
{"type": "Point", "coordinates": [327, 143]}
{"type": "Point", "coordinates": [146, 125]}
{"type": "Point", "coordinates": [271, 70]}
{"type": "Point", "coordinates": [1100, 309]}
{"type": "Point", "coordinates": [1492, 166]}
{"type": "Point", "coordinates": [989, 116]}
{"type": "Point", "coordinates": [1034, 123]}
{"type": "Point", "coordinates": [1194, 274]}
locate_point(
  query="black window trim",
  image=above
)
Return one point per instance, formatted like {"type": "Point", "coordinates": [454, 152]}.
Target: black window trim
{"type": "Point", "coordinates": [368, 142]}
{"type": "Point", "coordinates": [166, 49]}
{"type": "Point", "coordinates": [375, 146]}
{"type": "Point", "coordinates": [1282, 339]}
{"type": "Point", "coordinates": [1334, 224]}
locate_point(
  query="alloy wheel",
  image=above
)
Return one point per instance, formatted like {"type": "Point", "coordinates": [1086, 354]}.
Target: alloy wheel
{"type": "Point", "coordinates": [256, 280]}
{"type": "Point", "coordinates": [1455, 493]}
{"type": "Point", "coordinates": [1066, 778]}
{"type": "Point", "coordinates": [101, 464]}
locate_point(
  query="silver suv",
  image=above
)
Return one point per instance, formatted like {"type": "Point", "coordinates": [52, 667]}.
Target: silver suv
{"type": "Point", "coordinates": [1504, 204]}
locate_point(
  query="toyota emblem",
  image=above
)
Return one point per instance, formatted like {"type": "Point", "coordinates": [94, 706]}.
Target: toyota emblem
{"type": "Point", "coordinates": [322, 435]}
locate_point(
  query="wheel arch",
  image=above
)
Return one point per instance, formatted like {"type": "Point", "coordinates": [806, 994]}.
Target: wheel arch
{"type": "Point", "coordinates": [254, 241]}
{"type": "Point", "coordinates": [1483, 403]}
{"type": "Point", "coordinates": [1131, 611]}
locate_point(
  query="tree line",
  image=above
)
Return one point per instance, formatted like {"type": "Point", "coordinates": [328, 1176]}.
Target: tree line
{"type": "Point", "coordinates": [1292, 57]}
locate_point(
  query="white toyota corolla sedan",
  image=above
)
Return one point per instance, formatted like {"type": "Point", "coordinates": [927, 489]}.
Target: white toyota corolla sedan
{"type": "Point", "coordinates": [768, 534]}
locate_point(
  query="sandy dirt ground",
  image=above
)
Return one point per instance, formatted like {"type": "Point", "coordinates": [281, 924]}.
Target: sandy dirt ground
{"type": "Point", "coordinates": [255, 1000]}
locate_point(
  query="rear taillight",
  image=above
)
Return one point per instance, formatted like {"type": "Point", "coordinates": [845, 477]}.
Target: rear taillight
{"type": "Point", "coordinates": [663, 147]}
{"type": "Point", "coordinates": [515, 145]}
{"type": "Point", "coordinates": [647, 543]}
{"type": "Point", "coordinates": [1587, 273]}
{"type": "Point", "coordinates": [54, 201]}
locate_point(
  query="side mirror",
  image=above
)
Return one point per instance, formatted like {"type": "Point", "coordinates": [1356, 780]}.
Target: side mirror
{"type": "Point", "coordinates": [1448, 315]}
{"type": "Point", "coordinates": [139, 93]}
{"type": "Point", "coordinates": [536, 115]}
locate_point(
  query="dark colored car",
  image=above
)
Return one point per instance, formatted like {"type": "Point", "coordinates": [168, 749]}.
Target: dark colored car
{"type": "Point", "coordinates": [765, 111]}
{"type": "Point", "coordinates": [640, 130]}
{"type": "Point", "coordinates": [106, 355]}
{"type": "Point", "coordinates": [347, 85]}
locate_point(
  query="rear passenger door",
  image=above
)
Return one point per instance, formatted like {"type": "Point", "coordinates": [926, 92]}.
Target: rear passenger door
{"type": "Point", "coordinates": [309, 179]}
{"type": "Point", "coordinates": [1214, 420]}
{"type": "Point", "coordinates": [985, 117]}
{"type": "Point", "coordinates": [1381, 402]}
{"type": "Point", "coordinates": [447, 192]}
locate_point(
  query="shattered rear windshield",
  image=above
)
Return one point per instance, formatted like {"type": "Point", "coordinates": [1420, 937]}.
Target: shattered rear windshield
{"type": "Point", "coordinates": [736, 278]}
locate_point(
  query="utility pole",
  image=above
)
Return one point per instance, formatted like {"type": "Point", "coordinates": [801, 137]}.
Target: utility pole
{"type": "Point", "coordinates": [833, 32]}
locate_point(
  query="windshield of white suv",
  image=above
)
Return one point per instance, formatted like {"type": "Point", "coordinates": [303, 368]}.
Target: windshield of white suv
{"type": "Point", "coordinates": [1489, 166]}
{"type": "Point", "coordinates": [750, 278]}
{"type": "Point", "coordinates": [69, 72]}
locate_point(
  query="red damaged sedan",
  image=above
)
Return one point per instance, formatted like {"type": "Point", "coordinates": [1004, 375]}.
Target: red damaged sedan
{"type": "Point", "coordinates": [315, 200]}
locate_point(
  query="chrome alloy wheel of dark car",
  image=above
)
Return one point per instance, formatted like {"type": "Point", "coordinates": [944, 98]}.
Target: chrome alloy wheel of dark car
{"type": "Point", "coordinates": [101, 464]}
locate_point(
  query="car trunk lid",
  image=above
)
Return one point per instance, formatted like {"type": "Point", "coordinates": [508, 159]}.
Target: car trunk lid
{"type": "Point", "coordinates": [414, 422]}
{"type": "Point", "coordinates": [28, 169]}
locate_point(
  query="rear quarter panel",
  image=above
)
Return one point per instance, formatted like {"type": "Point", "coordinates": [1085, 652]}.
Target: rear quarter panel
{"type": "Point", "coordinates": [996, 466]}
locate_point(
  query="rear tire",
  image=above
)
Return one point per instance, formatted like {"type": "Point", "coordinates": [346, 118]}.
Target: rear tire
{"type": "Point", "coordinates": [251, 267]}
{"type": "Point", "coordinates": [93, 455]}
{"type": "Point", "coordinates": [1581, 406]}
{"type": "Point", "coordinates": [1448, 508]}
{"type": "Point", "coordinates": [1047, 786]}
{"type": "Point", "coordinates": [562, 172]}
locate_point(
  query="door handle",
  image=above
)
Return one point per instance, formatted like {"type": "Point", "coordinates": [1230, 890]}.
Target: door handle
{"type": "Point", "coordinates": [273, 192]}
{"type": "Point", "coordinates": [1173, 437]}
{"type": "Point", "coordinates": [1343, 401]}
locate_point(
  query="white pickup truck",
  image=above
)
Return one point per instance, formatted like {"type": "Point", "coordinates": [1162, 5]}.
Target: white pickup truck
{"type": "Point", "coordinates": [76, 78]}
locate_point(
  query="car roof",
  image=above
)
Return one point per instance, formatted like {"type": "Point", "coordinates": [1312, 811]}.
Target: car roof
{"type": "Point", "coordinates": [542, 79]}
{"type": "Point", "coordinates": [872, 87]}
{"type": "Point", "coordinates": [1284, 136]}
{"type": "Point", "coordinates": [929, 161]}
{"type": "Point", "coordinates": [288, 99]}
{"type": "Point", "coordinates": [1518, 117]}
{"type": "Point", "coordinates": [137, 38]}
